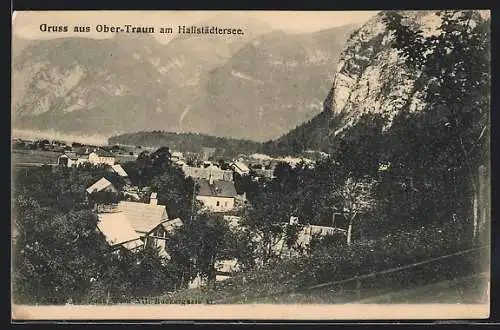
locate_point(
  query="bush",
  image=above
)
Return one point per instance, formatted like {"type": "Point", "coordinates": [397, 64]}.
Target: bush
{"type": "Point", "coordinates": [334, 262]}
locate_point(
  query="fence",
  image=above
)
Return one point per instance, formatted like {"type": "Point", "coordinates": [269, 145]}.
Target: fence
{"type": "Point", "coordinates": [358, 287]}
{"type": "Point", "coordinates": [358, 280]}
{"type": "Point", "coordinates": [354, 289]}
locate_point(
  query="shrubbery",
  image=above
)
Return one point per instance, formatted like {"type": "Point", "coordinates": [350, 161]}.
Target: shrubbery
{"type": "Point", "coordinates": [333, 262]}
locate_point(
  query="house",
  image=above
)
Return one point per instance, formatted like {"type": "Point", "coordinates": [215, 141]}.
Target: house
{"type": "Point", "coordinates": [118, 232]}
{"type": "Point", "coordinates": [102, 185]}
{"type": "Point", "coordinates": [309, 231]}
{"type": "Point", "coordinates": [101, 157]}
{"type": "Point", "coordinates": [131, 192]}
{"type": "Point", "coordinates": [176, 156]}
{"type": "Point", "coordinates": [118, 169]}
{"type": "Point", "coordinates": [157, 237]}
{"type": "Point", "coordinates": [142, 216]}
{"type": "Point", "coordinates": [240, 168]}
{"type": "Point", "coordinates": [216, 195]}
{"type": "Point", "coordinates": [148, 222]}
{"type": "Point", "coordinates": [294, 161]}
{"type": "Point", "coordinates": [70, 159]}
{"type": "Point", "coordinates": [224, 270]}
{"type": "Point", "coordinates": [206, 172]}
{"type": "Point", "coordinates": [260, 157]}
{"type": "Point", "coordinates": [180, 163]}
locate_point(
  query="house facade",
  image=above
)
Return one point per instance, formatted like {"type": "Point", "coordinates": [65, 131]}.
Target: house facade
{"type": "Point", "coordinates": [240, 168]}
{"type": "Point", "coordinates": [157, 237]}
{"type": "Point", "coordinates": [216, 195]}
{"type": "Point", "coordinates": [70, 159]}
{"type": "Point", "coordinates": [217, 203]}
{"type": "Point", "coordinates": [205, 173]}
{"type": "Point", "coordinates": [134, 225]}
{"type": "Point", "coordinates": [101, 157]}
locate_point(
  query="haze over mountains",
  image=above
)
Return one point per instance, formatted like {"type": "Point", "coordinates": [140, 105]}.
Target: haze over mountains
{"type": "Point", "coordinates": [258, 86]}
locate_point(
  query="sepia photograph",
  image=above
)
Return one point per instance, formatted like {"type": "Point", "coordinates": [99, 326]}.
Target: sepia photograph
{"type": "Point", "coordinates": [210, 165]}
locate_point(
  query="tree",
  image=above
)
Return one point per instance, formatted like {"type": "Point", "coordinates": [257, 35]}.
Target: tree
{"type": "Point", "coordinates": [267, 216]}
{"type": "Point", "coordinates": [144, 163]}
{"type": "Point", "coordinates": [56, 254]}
{"type": "Point", "coordinates": [62, 188]}
{"type": "Point", "coordinates": [60, 254]}
{"type": "Point", "coordinates": [149, 273]}
{"type": "Point", "coordinates": [242, 246]}
{"type": "Point", "coordinates": [356, 197]}
{"type": "Point", "coordinates": [359, 149]}
{"type": "Point", "coordinates": [43, 143]}
{"type": "Point", "coordinates": [161, 158]}
{"type": "Point", "coordinates": [284, 173]}
{"type": "Point", "coordinates": [455, 68]}
{"type": "Point", "coordinates": [132, 170]}
{"type": "Point", "coordinates": [175, 191]}
{"type": "Point", "coordinates": [291, 236]}
{"type": "Point", "coordinates": [196, 247]}
{"type": "Point", "coordinates": [103, 198]}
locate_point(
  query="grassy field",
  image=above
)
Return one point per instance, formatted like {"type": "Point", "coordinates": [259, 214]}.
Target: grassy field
{"type": "Point", "coordinates": [34, 156]}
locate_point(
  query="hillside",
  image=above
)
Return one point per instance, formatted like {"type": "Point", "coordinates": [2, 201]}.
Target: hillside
{"type": "Point", "coordinates": [186, 142]}
{"type": "Point", "coordinates": [255, 92]}
{"type": "Point", "coordinates": [315, 134]}
{"type": "Point", "coordinates": [232, 87]}
{"type": "Point", "coordinates": [371, 78]}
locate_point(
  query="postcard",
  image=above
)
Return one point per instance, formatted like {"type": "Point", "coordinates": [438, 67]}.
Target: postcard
{"type": "Point", "coordinates": [250, 165]}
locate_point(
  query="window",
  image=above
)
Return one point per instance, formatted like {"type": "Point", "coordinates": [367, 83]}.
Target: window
{"type": "Point", "coordinates": [218, 203]}
{"type": "Point", "coordinates": [225, 204]}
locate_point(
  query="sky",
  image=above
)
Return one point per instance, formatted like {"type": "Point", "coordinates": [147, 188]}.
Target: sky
{"type": "Point", "coordinates": [26, 25]}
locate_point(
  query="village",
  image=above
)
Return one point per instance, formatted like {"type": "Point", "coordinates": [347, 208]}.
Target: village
{"type": "Point", "coordinates": [166, 173]}
{"type": "Point", "coordinates": [134, 219]}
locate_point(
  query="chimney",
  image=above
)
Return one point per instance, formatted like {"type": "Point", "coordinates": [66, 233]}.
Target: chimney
{"type": "Point", "coordinates": [153, 200]}
{"type": "Point", "coordinates": [210, 179]}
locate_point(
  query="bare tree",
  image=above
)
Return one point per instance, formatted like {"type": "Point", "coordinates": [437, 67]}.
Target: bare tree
{"type": "Point", "coordinates": [356, 197]}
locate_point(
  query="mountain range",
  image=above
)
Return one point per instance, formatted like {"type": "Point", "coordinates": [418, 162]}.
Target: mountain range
{"type": "Point", "coordinates": [258, 86]}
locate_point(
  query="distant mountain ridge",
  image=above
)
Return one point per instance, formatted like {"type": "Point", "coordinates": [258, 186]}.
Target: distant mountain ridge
{"type": "Point", "coordinates": [244, 88]}
{"type": "Point", "coordinates": [187, 142]}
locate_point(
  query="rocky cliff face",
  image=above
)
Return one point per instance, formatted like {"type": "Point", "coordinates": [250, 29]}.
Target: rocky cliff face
{"type": "Point", "coordinates": [372, 77]}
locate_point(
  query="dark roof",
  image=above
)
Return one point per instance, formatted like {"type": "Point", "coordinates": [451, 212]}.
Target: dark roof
{"type": "Point", "coordinates": [219, 188]}
{"type": "Point", "coordinates": [70, 155]}
{"type": "Point", "coordinates": [104, 153]}
{"type": "Point", "coordinates": [81, 151]}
